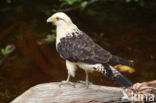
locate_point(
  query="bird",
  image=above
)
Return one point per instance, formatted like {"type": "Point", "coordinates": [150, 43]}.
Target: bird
{"type": "Point", "coordinates": [80, 51]}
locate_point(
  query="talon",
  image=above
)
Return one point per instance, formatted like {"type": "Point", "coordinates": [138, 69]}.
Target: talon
{"type": "Point", "coordinates": [85, 83]}
{"type": "Point", "coordinates": [67, 82]}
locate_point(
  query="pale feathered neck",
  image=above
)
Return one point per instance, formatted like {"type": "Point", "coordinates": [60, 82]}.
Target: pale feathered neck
{"type": "Point", "coordinates": [65, 30]}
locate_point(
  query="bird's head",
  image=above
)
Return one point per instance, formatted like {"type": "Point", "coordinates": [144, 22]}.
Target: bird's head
{"type": "Point", "coordinates": [60, 19]}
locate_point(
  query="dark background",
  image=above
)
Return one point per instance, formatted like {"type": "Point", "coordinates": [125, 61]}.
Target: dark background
{"type": "Point", "coordinates": [127, 28]}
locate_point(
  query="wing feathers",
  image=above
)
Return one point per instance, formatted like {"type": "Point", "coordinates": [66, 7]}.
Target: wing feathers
{"type": "Point", "coordinates": [81, 48]}
{"type": "Point", "coordinates": [120, 60]}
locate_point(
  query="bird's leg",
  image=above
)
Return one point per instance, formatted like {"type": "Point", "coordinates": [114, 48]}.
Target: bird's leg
{"type": "Point", "coordinates": [68, 78]}
{"type": "Point", "coordinates": [67, 82]}
{"type": "Point", "coordinates": [71, 67]}
{"type": "Point", "coordinates": [87, 80]}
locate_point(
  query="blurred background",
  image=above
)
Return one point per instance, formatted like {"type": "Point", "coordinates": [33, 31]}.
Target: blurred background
{"type": "Point", "coordinates": [28, 56]}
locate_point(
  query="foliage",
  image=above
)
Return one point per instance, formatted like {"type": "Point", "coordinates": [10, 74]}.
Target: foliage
{"type": "Point", "coordinates": [74, 4]}
{"type": "Point", "coordinates": [5, 51]}
{"type": "Point", "coordinates": [141, 2]}
{"type": "Point", "coordinates": [52, 36]}
{"type": "Point", "coordinates": [82, 4]}
{"type": "Point", "coordinates": [71, 2]}
{"type": "Point", "coordinates": [56, 5]}
{"type": "Point", "coordinates": [8, 49]}
{"type": "Point", "coordinates": [49, 38]}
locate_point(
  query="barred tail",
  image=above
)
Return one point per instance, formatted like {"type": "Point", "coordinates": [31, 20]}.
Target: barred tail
{"type": "Point", "coordinates": [113, 74]}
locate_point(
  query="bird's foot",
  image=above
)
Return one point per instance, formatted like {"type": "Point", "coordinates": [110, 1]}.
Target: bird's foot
{"type": "Point", "coordinates": [66, 82]}
{"type": "Point", "coordinates": [85, 83]}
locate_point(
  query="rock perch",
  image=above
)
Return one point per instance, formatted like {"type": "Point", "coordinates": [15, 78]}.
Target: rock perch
{"type": "Point", "coordinates": [52, 93]}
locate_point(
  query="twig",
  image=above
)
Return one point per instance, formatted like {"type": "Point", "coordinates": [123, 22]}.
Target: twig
{"type": "Point", "coordinates": [77, 7]}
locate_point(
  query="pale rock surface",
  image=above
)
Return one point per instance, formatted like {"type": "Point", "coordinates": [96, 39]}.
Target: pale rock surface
{"type": "Point", "coordinates": [52, 93]}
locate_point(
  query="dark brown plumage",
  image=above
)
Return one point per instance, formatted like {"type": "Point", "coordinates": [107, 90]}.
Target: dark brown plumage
{"type": "Point", "coordinates": [79, 50]}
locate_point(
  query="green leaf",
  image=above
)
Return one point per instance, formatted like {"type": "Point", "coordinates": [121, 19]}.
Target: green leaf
{"type": "Point", "coordinates": [7, 49]}
{"type": "Point", "coordinates": [49, 36]}
{"type": "Point", "coordinates": [71, 2]}
{"type": "Point", "coordinates": [54, 36]}
{"type": "Point", "coordinates": [3, 51]}
{"type": "Point", "coordinates": [84, 4]}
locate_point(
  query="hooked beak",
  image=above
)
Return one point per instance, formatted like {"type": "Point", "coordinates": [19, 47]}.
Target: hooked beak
{"type": "Point", "coordinates": [49, 20]}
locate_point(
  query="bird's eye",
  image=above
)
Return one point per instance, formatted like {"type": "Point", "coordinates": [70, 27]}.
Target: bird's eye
{"type": "Point", "coordinates": [57, 18]}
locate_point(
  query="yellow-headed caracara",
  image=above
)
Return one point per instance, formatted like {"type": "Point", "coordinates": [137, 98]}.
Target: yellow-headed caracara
{"type": "Point", "coordinates": [79, 50]}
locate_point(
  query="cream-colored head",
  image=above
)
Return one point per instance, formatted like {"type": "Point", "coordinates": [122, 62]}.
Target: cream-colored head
{"type": "Point", "coordinates": [60, 19]}
{"type": "Point", "coordinates": [64, 25]}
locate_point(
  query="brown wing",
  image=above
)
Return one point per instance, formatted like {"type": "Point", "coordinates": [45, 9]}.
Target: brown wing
{"type": "Point", "coordinates": [82, 48]}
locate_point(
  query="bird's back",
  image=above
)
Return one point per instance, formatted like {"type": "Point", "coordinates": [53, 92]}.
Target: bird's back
{"type": "Point", "coordinates": [79, 47]}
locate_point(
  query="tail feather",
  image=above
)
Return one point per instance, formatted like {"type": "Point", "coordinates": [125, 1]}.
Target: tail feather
{"type": "Point", "coordinates": [116, 76]}
{"type": "Point", "coordinates": [120, 60]}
